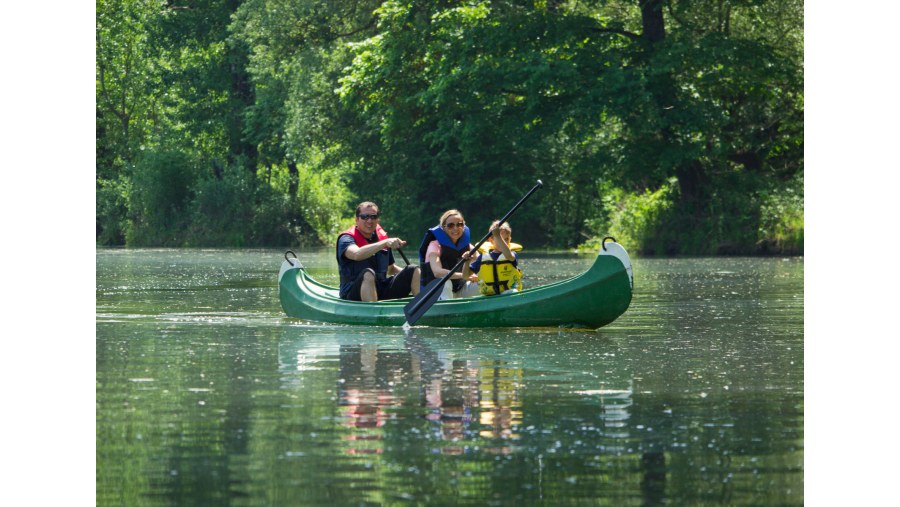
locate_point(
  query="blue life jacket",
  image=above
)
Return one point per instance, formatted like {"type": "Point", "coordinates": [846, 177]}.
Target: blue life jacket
{"type": "Point", "coordinates": [450, 254]}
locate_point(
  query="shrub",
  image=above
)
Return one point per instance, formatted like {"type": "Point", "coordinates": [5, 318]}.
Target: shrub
{"type": "Point", "coordinates": [322, 197]}
{"type": "Point", "coordinates": [159, 203]}
{"type": "Point", "coordinates": [243, 209]}
{"type": "Point", "coordinates": [744, 214]}
{"type": "Point", "coordinates": [111, 209]}
{"type": "Point", "coordinates": [633, 218]}
{"type": "Point", "coordinates": [222, 209]}
{"type": "Point", "coordinates": [781, 219]}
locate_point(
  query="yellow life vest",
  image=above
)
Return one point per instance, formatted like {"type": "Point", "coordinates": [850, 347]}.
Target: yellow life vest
{"type": "Point", "coordinates": [496, 277]}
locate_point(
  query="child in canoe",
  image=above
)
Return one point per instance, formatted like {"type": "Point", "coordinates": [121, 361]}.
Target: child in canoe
{"type": "Point", "coordinates": [498, 267]}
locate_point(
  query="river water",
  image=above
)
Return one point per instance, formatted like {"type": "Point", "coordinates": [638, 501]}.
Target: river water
{"type": "Point", "coordinates": [207, 394]}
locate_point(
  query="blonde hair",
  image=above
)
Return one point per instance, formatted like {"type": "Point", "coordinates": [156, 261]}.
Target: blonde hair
{"type": "Point", "coordinates": [449, 213]}
{"type": "Point", "coordinates": [504, 227]}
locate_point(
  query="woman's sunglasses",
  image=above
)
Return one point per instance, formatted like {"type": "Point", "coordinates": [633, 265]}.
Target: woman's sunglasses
{"type": "Point", "coordinates": [455, 225]}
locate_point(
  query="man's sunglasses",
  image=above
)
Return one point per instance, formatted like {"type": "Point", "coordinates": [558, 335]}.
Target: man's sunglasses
{"type": "Point", "coordinates": [366, 216]}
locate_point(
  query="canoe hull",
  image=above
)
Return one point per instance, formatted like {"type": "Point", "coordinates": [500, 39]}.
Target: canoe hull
{"type": "Point", "coordinates": [590, 300]}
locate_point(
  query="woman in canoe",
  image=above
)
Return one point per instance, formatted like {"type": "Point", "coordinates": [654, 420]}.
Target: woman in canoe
{"type": "Point", "coordinates": [441, 249]}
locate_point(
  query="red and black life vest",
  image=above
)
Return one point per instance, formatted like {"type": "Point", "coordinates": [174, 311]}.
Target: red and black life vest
{"type": "Point", "coordinates": [349, 269]}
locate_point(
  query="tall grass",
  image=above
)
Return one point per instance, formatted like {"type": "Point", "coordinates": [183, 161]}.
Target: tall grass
{"type": "Point", "coordinates": [734, 221]}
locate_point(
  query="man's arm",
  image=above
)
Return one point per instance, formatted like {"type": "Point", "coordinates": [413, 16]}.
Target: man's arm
{"type": "Point", "coordinates": [357, 253]}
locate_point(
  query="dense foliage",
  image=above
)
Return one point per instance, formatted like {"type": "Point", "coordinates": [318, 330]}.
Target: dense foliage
{"type": "Point", "coordinates": [674, 125]}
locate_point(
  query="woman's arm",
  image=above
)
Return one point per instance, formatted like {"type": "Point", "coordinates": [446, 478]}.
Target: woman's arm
{"type": "Point", "coordinates": [434, 260]}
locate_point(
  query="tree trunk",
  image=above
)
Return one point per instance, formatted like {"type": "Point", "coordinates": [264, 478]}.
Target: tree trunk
{"type": "Point", "coordinates": [654, 29]}
{"type": "Point", "coordinates": [294, 179]}
{"type": "Point", "coordinates": [692, 177]}
{"type": "Point", "coordinates": [692, 181]}
{"type": "Point", "coordinates": [244, 97]}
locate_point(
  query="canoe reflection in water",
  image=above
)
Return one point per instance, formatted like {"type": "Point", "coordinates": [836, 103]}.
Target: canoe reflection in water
{"type": "Point", "coordinates": [460, 399]}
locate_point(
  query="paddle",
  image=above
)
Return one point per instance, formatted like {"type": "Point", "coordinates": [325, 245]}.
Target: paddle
{"type": "Point", "coordinates": [431, 292]}
{"type": "Point", "coordinates": [404, 256]}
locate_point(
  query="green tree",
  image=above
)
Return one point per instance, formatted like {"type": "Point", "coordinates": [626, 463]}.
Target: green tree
{"type": "Point", "coordinates": [206, 82]}
{"type": "Point", "coordinates": [129, 109]}
{"type": "Point", "coordinates": [128, 81]}
{"type": "Point", "coordinates": [483, 96]}
{"type": "Point", "coordinates": [296, 53]}
{"type": "Point", "coordinates": [423, 106]}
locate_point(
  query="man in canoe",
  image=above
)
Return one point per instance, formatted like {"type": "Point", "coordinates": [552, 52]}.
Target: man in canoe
{"type": "Point", "coordinates": [366, 262]}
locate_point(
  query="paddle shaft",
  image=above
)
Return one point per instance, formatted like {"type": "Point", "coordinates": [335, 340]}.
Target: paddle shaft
{"type": "Point", "coordinates": [404, 256]}
{"type": "Point", "coordinates": [415, 307]}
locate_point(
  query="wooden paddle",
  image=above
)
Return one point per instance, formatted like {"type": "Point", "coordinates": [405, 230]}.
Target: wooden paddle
{"type": "Point", "coordinates": [431, 292]}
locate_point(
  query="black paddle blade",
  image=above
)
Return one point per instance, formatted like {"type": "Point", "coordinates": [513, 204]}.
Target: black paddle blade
{"type": "Point", "coordinates": [423, 301]}
{"type": "Point", "coordinates": [431, 292]}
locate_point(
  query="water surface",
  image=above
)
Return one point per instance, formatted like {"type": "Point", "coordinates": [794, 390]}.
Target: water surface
{"type": "Point", "coordinates": [208, 395]}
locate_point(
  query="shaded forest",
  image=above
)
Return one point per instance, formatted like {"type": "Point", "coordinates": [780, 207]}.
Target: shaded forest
{"type": "Point", "coordinates": [674, 125]}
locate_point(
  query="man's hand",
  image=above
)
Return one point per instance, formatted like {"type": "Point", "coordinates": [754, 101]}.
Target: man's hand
{"type": "Point", "coordinates": [394, 243]}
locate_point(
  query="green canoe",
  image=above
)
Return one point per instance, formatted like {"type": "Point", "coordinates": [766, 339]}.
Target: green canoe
{"type": "Point", "coordinates": [590, 300]}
